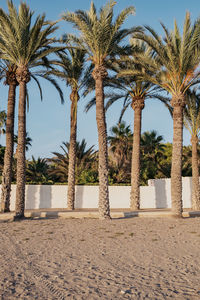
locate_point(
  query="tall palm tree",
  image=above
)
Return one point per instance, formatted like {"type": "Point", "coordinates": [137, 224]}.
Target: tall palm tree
{"type": "Point", "coordinates": [100, 38]}
{"type": "Point", "coordinates": [71, 70]}
{"type": "Point", "coordinates": [9, 73]}
{"type": "Point", "coordinates": [173, 67]}
{"type": "Point", "coordinates": [11, 81]}
{"type": "Point", "coordinates": [192, 123]}
{"type": "Point", "coordinates": [134, 91]}
{"type": "Point", "coordinates": [24, 46]}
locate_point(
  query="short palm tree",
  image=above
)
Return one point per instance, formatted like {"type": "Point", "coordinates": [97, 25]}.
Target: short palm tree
{"type": "Point", "coordinates": [173, 67]}
{"type": "Point", "coordinates": [85, 158]}
{"type": "Point", "coordinates": [152, 144]}
{"type": "Point", "coordinates": [28, 141]}
{"type": "Point", "coordinates": [100, 38]}
{"type": "Point", "coordinates": [192, 123]}
{"type": "Point", "coordinates": [71, 70]}
{"type": "Point", "coordinates": [187, 161]}
{"type": "Point", "coordinates": [3, 118]}
{"type": "Point", "coordinates": [120, 148]}
{"type": "Point", "coordinates": [152, 154]}
{"type": "Point", "coordinates": [120, 142]}
{"type": "Point", "coordinates": [24, 46]}
{"type": "Point", "coordinates": [37, 170]}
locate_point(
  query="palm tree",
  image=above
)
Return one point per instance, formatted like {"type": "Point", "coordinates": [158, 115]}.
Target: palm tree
{"type": "Point", "coordinates": [85, 156]}
{"type": "Point", "coordinates": [71, 71]}
{"type": "Point", "coordinates": [192, 123]}
{"type": "Point", "coordinates": [85, 159]}
{"type": "Point", "coordinates": [151, 144]}
{"type": "Point", "coordinates": [9, 72]}
{"type": "Point", "coordinates": [28, 141]}
{"type": "Point", "coordinates": [11, 81]}
{"type": "Point", "coordinates": [134, 92]}
{"type": "Point", "coordinates": [187, 160]}
{"type": "Point", "coordinates": [59, 164]}
{"type": "Point", "coordinates": [138, 92]}
{"type": "Point", "coordinates": [100, 38]}
{"type": "Point", "coordinates": [3, 117]}
{"type": "Point", "coordinates": [37, 170]}
{"type": "Point", "coordinates": [173, 67]}
{"type": "Point", "coordinates": [120, 146]}
{"type": "Point", "coordinates": [24, 46]}
{"type": "Point", "coordinates": [152, 154]}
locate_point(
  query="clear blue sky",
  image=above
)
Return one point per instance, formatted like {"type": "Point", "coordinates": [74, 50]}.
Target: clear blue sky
{"type": "Point", "coordinates": [48, 122]}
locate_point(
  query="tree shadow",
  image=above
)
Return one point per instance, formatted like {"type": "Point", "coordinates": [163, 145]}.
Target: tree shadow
{"type": "Point", "coordinates": [38, 196]}
{"type": "Point", "coordinates": [31, 201]}
{"type": "Point", "coordinates": [161, 193]}
{"type": "Point", "coordinates": [79, 191]}
{"type": "Point", "coordinates": [45, 196]}
{"type": "Point", "coordinates": [187, 192]}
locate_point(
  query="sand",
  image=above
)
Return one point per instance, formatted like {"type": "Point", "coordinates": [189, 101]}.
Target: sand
{"type": "Point", "coordinates": [135, 258]}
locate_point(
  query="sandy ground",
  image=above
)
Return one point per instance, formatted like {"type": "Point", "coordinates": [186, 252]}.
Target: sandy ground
{"type": "Point", "coordinates": [136, 258]}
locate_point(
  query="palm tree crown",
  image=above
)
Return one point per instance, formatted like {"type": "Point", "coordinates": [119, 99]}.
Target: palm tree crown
{"type": "Point", "coordinates": [85, 157]}
{"type": "Point", "coordinates": [100, 36]}
{"type": "Point", "coordinates": [20, 43]}
{"type": "Point", "coordinates": [71, 63]}
{"type": "Point", "coordinates": [120, 142]}
{"type": "Point", "coordinates": [175, 62]}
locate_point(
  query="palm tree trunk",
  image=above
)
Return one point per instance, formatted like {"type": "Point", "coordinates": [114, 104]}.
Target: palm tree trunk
{"type": "Point", "coordinates": [137, 105]}
{"type": "Point", "coordinates": [8, 157]}
{"type": "Point", "coordinates": [176, 171]}
{"type": "Point", "coordinates": [195, 175]}
{"type": "Point", "coordinates": [72, 152]}
{"type": "Point", "coordinates": [21, 159]}
{"type": "Point", "coordinates": [99, 74]}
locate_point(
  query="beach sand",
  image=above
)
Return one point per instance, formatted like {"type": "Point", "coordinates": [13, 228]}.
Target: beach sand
{"type": "Point", "coordinates": [135, 258]}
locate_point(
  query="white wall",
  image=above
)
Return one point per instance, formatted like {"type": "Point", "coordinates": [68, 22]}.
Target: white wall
{"type": "Point", "coordinates": [162, 193]}
{"type": "Point", "coordinates": [155, 195]}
